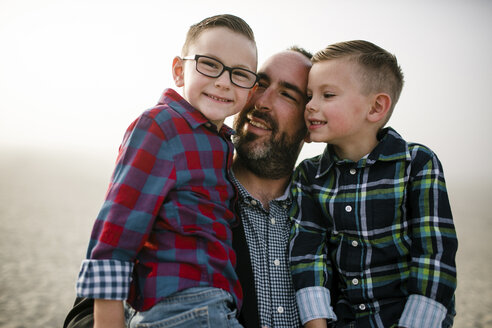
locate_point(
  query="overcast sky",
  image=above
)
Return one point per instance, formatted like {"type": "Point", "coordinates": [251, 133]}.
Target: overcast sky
{"type": "Point", "coordinates": [74, 74]}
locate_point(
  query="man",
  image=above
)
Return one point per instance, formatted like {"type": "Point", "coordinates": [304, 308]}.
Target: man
{"type": "Point", "coordinates": [269, 135]}
{"type": "Point", "coordinates": [270, 132]}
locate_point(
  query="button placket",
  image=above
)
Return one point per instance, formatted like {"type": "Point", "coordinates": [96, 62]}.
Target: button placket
{"type": "Point", "coordinates": [351, 179]}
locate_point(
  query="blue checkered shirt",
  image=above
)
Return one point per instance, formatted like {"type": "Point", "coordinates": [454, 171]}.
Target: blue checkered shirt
{"type": "Point", "coordinates": [267, 236]}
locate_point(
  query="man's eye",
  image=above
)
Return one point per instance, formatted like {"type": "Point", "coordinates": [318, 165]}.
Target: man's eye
{"type": "Point", "coordinates": [288, 95]}
{"type": "Point", "coordinates": [262, 84]}
{"type": "Point", "coordinates": [309, 97]}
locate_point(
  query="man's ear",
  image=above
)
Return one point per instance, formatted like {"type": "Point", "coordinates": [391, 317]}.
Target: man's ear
{"type": "Point", "coordinates": [178, 71]}
{"type": "Point", "coordinates": [379, 108]}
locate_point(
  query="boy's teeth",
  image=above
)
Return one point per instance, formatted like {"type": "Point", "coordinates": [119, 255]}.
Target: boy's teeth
{"type": "Point", "coordinates": [218, 99]}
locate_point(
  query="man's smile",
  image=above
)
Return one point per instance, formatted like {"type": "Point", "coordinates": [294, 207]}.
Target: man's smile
{"type": "Point", "coordinates": [254, 121]}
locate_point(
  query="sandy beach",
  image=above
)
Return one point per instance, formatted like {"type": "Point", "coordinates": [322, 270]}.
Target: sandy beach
{"type": "Point", "coordinates": [48, 203]}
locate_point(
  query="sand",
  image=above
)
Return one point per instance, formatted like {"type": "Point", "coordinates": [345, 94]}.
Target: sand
{"type": "Point", "coordinates": [48, 202]}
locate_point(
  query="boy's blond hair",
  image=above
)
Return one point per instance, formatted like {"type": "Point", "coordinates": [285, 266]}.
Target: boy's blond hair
{"type": "Point", "coordinates": [380, 71]}
{"type": "Point", "coordinates": [234, 23]}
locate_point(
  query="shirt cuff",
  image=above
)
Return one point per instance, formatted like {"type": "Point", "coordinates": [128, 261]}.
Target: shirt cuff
{"type": "Point", "coordinates": [314, 303]}
{"type": "Point", "coordinates": [104, 279]}
{"type": "Point", "coordinates": [421, 311]}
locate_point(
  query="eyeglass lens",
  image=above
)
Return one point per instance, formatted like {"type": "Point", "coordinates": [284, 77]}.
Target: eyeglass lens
{"type": "Point", "coordinates": [214, 68]}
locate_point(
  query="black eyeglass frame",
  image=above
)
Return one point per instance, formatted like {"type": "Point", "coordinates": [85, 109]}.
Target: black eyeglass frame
{"type": "Point", "coordinates": [224, 68]}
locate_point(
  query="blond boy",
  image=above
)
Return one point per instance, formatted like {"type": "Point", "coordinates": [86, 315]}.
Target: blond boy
{"type": "Point", "coordinates": [372, 225]}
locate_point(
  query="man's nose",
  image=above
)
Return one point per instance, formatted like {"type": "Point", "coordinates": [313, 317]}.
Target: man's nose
{"type": "Point", "coordinates": [265, 100]}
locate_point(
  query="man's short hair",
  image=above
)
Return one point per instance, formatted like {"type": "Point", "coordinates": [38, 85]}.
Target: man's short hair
{"type": "Point", "coordinates": [302, 51]}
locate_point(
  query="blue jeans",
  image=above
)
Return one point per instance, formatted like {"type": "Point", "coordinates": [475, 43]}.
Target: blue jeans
{"type": "Point", "coordinates": [205, 307]}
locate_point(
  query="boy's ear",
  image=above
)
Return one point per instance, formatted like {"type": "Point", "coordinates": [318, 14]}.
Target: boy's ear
{"type": "Point", "coordinates": [178, 71]}
{"type": "Point", "coordinates": [379, 108]}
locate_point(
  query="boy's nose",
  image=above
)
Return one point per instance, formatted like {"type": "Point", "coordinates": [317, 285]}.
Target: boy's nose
{"type": "Point", "coordinates": [309, 106]}
{"type": "Point", "coordinates": [224, 79]}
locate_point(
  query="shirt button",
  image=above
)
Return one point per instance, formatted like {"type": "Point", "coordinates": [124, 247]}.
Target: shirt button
{"type": "Point", "coordinates": [362, 307]}
{"type": "Point", "coordinates": [285, 206]}
{"type": "Point", "coordinates": [254, 202]}
{"type": "Point", "coordinates": [276, 262]}
{"type": "Point", "coordinates": [348, 208]}
{"type": "Point", "coordinates": [280, 309]}
{"type": "Point", "coordinates": [272, 220]}
{"type": "Point", "coordinates": [355, 243]}
{"type": "Point", "coordinates": [353, 171]}
{"type": "Point", "coordinates": [355, 281]}
{"type": "Point", "coordinates": [335, 233]}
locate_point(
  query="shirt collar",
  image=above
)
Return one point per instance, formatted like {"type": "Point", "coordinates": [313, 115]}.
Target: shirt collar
{"type": "Point", "coordinates": [194, 117]}
{"type": "Point", "coordinates": [391, 147]}
{"type": "Point", "coordinates": [245, 196]}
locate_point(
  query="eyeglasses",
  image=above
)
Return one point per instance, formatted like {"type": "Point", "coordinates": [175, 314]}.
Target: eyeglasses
{"type": "Point", "coordinates": [212, 67]}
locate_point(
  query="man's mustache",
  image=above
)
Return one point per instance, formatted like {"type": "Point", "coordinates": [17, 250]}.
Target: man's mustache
{"type": "Point", "coordinates": [264, 116]}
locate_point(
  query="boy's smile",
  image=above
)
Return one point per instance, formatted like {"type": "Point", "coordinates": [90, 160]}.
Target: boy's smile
{"type": "Point", "coordinates": [315, 124]}
{"type": "Point", "coordinates": [217, 98]}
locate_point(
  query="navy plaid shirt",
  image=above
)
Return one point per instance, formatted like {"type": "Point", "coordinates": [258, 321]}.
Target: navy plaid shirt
{"type": "Point", "coordinates": [165, 223]}
{"type": "Point", "coordinates": [381, 229]}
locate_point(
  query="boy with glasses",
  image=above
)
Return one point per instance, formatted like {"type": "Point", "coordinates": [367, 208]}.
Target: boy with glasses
{"type": "Point", "coordinates": [162, 240]}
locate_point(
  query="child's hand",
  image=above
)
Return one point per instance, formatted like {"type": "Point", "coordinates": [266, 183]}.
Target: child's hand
{"type": "Point", "coordinates": [108, 314]}
{"type": "Point", "coordinates": [316, 323]}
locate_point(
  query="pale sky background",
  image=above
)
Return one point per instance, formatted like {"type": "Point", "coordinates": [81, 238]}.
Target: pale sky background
{"type": "Point", "coordinates": [74, 74]}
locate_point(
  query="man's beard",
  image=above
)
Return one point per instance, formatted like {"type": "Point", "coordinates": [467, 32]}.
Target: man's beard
{"type": "Point", "coordinates": [274, 158]}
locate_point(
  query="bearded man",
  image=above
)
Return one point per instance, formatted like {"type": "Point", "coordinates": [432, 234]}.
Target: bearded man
{"type": "Point", "coordinates": [269, 136]}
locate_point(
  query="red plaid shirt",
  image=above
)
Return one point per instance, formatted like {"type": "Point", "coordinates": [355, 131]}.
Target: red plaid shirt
{"type": "Point", "coordinates": [165, 223]}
